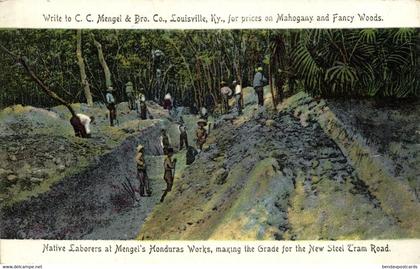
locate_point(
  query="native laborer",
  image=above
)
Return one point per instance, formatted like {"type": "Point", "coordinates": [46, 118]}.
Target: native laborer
{"type": "Point", "coordinates": [201, 133]}
{"type": "Point", "coordinates": [167, 102]}
{"type": "Point", "coordinates": [86, 121]}
{"type": "Point", "coordinates": [141, 105]}
{"type": "Point", "coordinates": [183, 137]}
{"type": "Point", "coordinates": [238, 96]}
{"type": "Point", "coordinates": [129, 90]}
{"type": "Point", "coordinates": [141, 172]}
{"type": "Point", "coordinates": [143, 110]}
{"type": "Point", "coordinates": [169, 167]}
{"type": "Point", "coordinates": [204, 114]}
{"type": "Point", "coordinates": [110, 100]}
{"type": "Point", "coordinates": [79, 128]}
{"type": "Point", "coordinates": [226, 92]}
{"type": "Point", "coordinates": [258, 84]}
{"type": "Point", "coordinates": [164, 141]}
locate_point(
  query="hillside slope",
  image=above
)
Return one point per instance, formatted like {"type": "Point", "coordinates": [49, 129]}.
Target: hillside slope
{"type": "Point", "coordinates": [286, 175]}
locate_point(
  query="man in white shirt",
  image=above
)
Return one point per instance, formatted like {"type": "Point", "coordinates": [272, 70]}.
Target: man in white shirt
{"type": "Point", "coordinates": [167, 102]}
{"type": "Point", "coordinates": [86, 121]}
{"type": "Point", "coordinates": [111, 106]}
{"type": "Point", "coordinates": [238, 96]}
{"type": "Point", "coordinates": [109, 97]}
{"type": "Point", "coordinates": [183, 137]}
{"type": "Point", "coordinates": [204, 113]}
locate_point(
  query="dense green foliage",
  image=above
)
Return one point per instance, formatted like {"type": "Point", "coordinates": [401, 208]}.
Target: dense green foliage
{"type": "Point", "coordinates": [358, 63]}
{"type": "Point", "coordinates": [364, 62]}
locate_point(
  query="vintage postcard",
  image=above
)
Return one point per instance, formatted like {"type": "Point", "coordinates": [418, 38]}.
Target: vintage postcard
{"type": "Point", "coordinates": [209, 132]}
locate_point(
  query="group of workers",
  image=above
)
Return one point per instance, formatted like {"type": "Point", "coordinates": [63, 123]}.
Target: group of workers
{"type": "Point", "coordinates": [226, 92]}
{"type": "Point", "coordinates": [137, 101]}
{"type": "Point", "coordinates": [169, 163]}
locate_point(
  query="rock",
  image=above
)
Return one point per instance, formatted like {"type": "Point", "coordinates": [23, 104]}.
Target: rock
{"type": "Point", "coordinates": [5, 172]}
{"type": "Point", "coordinates": [39, 173]}
{"type": "Point", "coordinates": [288, 172]}
{"type": "Point", "coordinates": [22, 175]}
{"type": "Point", "coordinates": [36, 180]}
{"type": "Point", "coordinates": [327, 166]}
{"type": "Point", "coordinates": [315, 164]}
{"type": "Point", "coordinates": [13, 158]}
{"type": "Point", "coordinates": [269, 123]}
{"type": "Point", "coordinates": [49, 156]}
{"type": "Point", "coordinates": [61, 167]}
{"type": "Point", "coordinates": [57, 161]}
{"type": "Point", "coordinates": [12, 177]}
{"type": "Point", "coordinates": [220, 176]}
{"type": "Point", "coordinates": [316, 179]}
{"type": "Point", "coordinates": [62, 148]}
{"type": "Point", "coordinates": [68, 162]}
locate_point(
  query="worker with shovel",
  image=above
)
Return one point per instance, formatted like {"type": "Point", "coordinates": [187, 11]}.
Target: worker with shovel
{"type": "Point", "coordinates": [169, 174]}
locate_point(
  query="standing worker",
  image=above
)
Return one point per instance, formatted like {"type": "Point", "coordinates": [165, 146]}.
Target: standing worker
{"type": "Point", "coordinates": [201, 133]}
{"type": "Point", "coordinates": [141, 172]}
{"type": "Point", "coordinates": [164, 141]}
{"type": "Point", "coordinates": [167, 102]}
{"type": "Point", "coordinates": [169, 174]}
{"type": "Point", "coordinates": [129, 90]}
{"type": "Point", "coordinates": [141, 104]}
{"type": "Point", "coordinates": [183, 137]}
{"type": "Point", "coordinates": [111, 106]}
{"type": "Point", "coordinates": [258, 84]}
{"type": "Point", "coordinates": [204, 114]}
{"type": "Point", "coordinates": [143, 110]}
{"type": "Point", "coordinates": [226, 92]}
{"type": "Point", "coordinates": [238, 96]}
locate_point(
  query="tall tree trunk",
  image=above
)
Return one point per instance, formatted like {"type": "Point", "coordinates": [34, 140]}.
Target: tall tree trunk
{"type": "Point", "coordinates": [81, 63]}
{"type": "Point", "coordinates": [108, 82]}
{"type": "Point", "coordinates": [270, 78]}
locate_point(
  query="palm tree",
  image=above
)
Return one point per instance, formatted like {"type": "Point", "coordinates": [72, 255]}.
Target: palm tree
{"type": "Point", "coordinates": [361, 62]}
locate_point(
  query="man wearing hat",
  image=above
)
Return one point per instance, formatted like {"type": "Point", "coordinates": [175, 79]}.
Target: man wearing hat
{"type": "Point", "coordinates": [226, 92]}
{"type": "Point", "coordinates": [129, 90]}
{"type": "Point", "coordinates": [141, 172]}
{"type": "Point", "coordinates": [168, 176]}
{"type": "Point", "coordinates": [110, 100]}
{"type": "Point", "coordinates": [201, 133]}
{"type": "Point", "coordinates": [258, 84]}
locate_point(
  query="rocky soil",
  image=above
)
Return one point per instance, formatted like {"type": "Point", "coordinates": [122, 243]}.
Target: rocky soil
{"type": "Point", "coordinates": [314, 169]}
{"type": "Point", "coordinates": [289, 180]}
{"type": "Point", "coordinates": [57, 186]}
